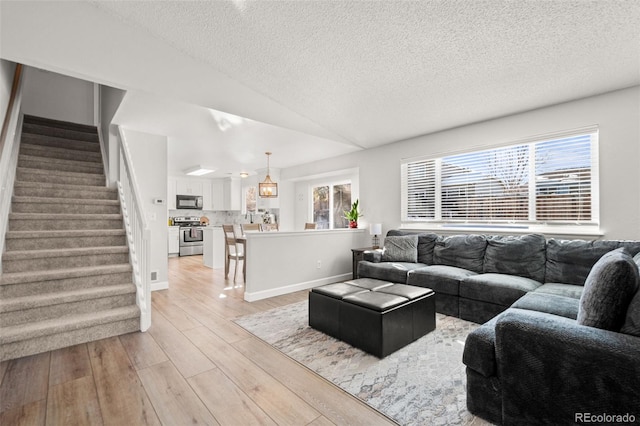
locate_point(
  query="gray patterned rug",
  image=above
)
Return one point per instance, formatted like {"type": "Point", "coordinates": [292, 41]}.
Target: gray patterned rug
{"type": "Point", "coordinates": [421, 384]}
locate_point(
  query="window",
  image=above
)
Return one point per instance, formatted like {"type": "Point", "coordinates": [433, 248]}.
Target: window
{"type": "Point", "coordinates": [547, 181]}
{"type": "Point", "coordinates": [250, 199]}
{"type": "Point", "coordinates": [329, 204]}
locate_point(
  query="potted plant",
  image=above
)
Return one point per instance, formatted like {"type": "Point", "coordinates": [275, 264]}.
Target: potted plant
{"type": "Point", "coordinates": [353, 215]}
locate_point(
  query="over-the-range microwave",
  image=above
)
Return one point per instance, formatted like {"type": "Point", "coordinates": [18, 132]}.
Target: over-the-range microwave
{"type": "Point", "coordinates": [191, 202]}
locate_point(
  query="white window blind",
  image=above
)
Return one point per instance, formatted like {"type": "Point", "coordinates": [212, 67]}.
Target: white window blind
{"type": "Point", "coordinates": [549, 180]}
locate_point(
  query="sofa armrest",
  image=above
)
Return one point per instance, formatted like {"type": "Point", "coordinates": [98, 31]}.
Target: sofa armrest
{"type": "Point", "coordinates": [553, 370]}
{"type": "Point", "coordinates": [374, 256]}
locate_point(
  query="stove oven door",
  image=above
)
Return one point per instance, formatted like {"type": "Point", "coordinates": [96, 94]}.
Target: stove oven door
{"type": "Point", "coordinates": [191, 241]}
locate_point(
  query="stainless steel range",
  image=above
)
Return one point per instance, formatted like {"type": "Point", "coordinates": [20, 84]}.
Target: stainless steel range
{"type": "Point", "coordinates": [190, 235]}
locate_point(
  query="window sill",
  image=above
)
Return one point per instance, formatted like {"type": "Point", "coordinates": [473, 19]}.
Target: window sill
{"type": "Point", "coordinates": [553, 231]}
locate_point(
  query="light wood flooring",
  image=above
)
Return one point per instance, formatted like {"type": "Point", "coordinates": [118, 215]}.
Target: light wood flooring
{"type": "Point", "coordinates": [193, 366]}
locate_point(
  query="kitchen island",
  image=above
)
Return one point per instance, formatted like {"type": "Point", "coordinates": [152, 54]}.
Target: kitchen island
{"type": "Point", "coordinates": [213, 247]}
{"type": "Point", "coordinates": [284, 262]}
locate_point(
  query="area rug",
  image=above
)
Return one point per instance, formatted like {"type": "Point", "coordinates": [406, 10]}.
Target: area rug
{"type": "Point", "coordinates": [420, 384]}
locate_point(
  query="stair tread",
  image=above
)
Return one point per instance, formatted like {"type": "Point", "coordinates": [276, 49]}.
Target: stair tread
{"type": "Point", "coordinates": [8, 278]}
{"type": "Point", "coordinates": [60, 161]}
{"type": "Point", "coordinates": [58, 172]}
{"type": "Point", "coordinates": [60, 150]}
{"type": "Point", "coordinates": [65, 216]}
{"type": "Point", "coordinates": [65, 233]}
{"type": "Point", "coordinates": [66, 252]}
{"type": "Point", "coordinates": [50, 122]}
{"type": "Point", "coordinates": [75, 202]}
{"type": "Point", "coordinates": [49, 185]}
{"type": "Point", "coordinates": [21, 332]}
{"type": "Point", "coordinates": [49, 299]}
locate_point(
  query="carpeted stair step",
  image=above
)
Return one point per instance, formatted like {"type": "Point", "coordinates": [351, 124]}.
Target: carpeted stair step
{"type": "Point", "coordinates": [42, 240]}
{"type": "Point", "coordinates": [56, 142]}
{"type": "Point", "coordinates": [89, 134]}
{"type": "Point", "coordinates": [57, 222]}
{"type": "Point", "coordinates": [29, 283]}
{"type": "Point", "coordinates": [38, 260]}
{"type": "Point", "coordinates": [25, 174]}
{"type": "Point", "coordinates": [20, 310]}
{"type": "Point", "coordinates": [64, 205]}
{"type": "Point", "coordinates": [36, 189]}
{"type": "Point", "coordinates": [60, 153]}
{"type": "Point", "coordinates": [28, 339]}
{"type": "Point", "coordinates": [45, 163]}
{"type": "Point", "coordinates": [49, 122]}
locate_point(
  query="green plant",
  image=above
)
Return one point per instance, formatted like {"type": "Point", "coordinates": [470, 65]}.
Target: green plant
{"type": "Point", "coordinates": [353, 214]}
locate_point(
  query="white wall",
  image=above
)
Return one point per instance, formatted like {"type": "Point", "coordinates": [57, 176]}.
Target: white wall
{"type": "Point", "coordinates": [617, 114]}
{"type": "Point", "coordinates": [110, 100]}
{"type": "Point", "coordinates": [149, 157]}
{"type": "Point", "coordinates": [284, 262]}
{"type": "Point", "coordinates": [7, 70]}
{"type": "Point", "coordinates": [59, 97]}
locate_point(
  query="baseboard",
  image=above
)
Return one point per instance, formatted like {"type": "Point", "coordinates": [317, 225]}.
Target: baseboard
{"type": "Point", "coordinates": [162, 285]}
{"type": "Point", "coordinates": [279, 291]}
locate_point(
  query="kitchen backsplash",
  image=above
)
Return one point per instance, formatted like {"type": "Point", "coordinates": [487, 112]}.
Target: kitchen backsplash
{"type": "Point", "coordinates": [223, 217]}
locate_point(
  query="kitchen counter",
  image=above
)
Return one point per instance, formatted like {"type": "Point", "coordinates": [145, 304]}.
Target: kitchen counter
{"type": "Point", "coordinates": [213, 247]}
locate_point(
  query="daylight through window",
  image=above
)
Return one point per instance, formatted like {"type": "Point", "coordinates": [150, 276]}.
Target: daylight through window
{"type": "Point", "coordinates": [551, 180]}
{"type": "Point", "coordinates": [329, 204]}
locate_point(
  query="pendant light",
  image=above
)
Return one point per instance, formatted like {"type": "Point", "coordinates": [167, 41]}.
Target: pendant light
{"type": "Point", "coordinates": [268, 188]}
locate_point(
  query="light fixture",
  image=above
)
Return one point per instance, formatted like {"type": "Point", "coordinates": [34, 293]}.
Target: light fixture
{"type": "Point", "coordinates": [198, 171]}
{"type": "Point", "coordinates": [268, 188]}
{"type": "Point", "coordinates": [375, 229]}
{"type": "Point", "coordinates": [244, 175]}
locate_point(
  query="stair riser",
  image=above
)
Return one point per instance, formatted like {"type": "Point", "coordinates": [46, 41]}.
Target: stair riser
{"type": "Point", "coordinates": [65, 284]}
{"type": "Point", "coordinates": [75, 194]}
{"type": "Point", "coordinates": [79, 307]}
{"type": "Point", "coordinates": [64, 208]}
{"type": "Point", "coordinates": [59, 133]}
{"type": "Point", "coordinates": [34, 139]}
{"type": "Point", "coordinates": [12, 244]}
{"type": "Point", "coordinates": [62, 340]}
{"type": "Point", "coordinates": [52, 263]}
{"type": "Point", "coordinates": [95, 180]}
{"type": "Point", "coordinates": [52, 225]}
{"type": "Point", "coordinates": [60, 154]}
{"type": "Point", "coordinates": [61, 165]}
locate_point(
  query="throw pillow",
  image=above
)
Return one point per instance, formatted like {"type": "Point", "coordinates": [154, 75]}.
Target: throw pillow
{"type": "Point", "coordinates": [400, 249]}
{"type": "Point", "coordinates": [608, 290]}
{"type": "Point", "coordinates": [632, 321]}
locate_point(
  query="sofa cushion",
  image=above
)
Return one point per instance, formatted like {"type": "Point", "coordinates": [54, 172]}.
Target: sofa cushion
{"type": "Point", "coordinates": [498, 289]}
{"type": "Point", "coordinates": [632, 320]}
{"type": "Point", "coordinates": [400, 249]}
{"type": "Point", "coordinates": [608, 290]}
{"type": "Point", "coordinates": [480, 350]}
{"type": "Point", "coordinates": [426, 243]}
{"type": "Point", "coordinates": [395, 272]}
{"type": "Point", "coordinates": [461, 251]}
{"type": "Point", "coordinates": [567, 290]}
{"type": "Point", "coordinates": [549, 303]}
{"type": "Point", "coordinates": [570, 261]}
{"type": "Point", "coordinates": [439, 278]}
{"type": "Point", "coordinates": [523, 255]}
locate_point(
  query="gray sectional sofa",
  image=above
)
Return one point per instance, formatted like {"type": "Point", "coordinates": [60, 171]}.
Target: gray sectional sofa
{"type": "Point", "coordinates": [560, 336]}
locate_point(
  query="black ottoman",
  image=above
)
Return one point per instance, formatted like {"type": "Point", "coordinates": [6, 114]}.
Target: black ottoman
{"type": "Point", "coordinates": [324, 306]}
{"type": "Point", "coordinates": [381, 322]}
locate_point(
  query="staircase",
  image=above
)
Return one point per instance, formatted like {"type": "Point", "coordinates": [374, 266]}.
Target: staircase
{"type": "Point", "coordinates": [66, 277]}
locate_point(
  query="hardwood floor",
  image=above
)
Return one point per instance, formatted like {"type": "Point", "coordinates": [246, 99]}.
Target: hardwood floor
{"type": "Point", "coordinates": [193, 366]}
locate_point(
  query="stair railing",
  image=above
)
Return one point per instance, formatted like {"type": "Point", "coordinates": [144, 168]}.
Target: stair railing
{"type": "Point", "coordinates": [9, 147]}
{"type": "Point", "coordinates": [138, 233]}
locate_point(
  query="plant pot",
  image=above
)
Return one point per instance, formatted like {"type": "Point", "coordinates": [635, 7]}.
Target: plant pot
{"type": "Point", "coordinates": [353, 224]}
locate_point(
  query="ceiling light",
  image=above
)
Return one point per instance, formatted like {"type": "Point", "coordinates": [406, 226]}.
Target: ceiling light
{"type": "Point", "coordinates": [268, 188]}
{"type": "Point", "coordinates": [198, 171]}
{"type": "Point", "coordinates": [244, 175]}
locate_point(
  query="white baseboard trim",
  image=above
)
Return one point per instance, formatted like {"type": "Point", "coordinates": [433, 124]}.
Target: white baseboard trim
{"type": "Point", "coordinates": [162, 285]}
{"type": "Point", "coordinates": [279, 291]}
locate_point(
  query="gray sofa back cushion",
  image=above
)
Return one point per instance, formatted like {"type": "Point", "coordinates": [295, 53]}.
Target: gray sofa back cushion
{"type": "Point", "coordinates": [426, 243]}
{"type": "Point", "coordinates": [608, 290]}
{"type": "Point", "coordinates": [569, 261]}
{"type": "Point", "coordinates": [461, 251]}
{"type": "Point", "coordinates": [524, 255]}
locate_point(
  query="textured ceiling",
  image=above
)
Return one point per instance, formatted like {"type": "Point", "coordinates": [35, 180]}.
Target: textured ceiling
{"type": "Point", "coordinates": [362, 73]}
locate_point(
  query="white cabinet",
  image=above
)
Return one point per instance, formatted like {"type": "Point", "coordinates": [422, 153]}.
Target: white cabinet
{"type": "Point", "coordinates": [232, 194]}
{"type": "Point", "coordinates": [207, 199]}
{"type": "Point", "coordinates": [217, 194]}
{"type": "Point", "coordinates": [174, 239]}
{"type": "Point", "coordinates": [171, 193]}
{"type": "Point", "coordinates": [186, 186]}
